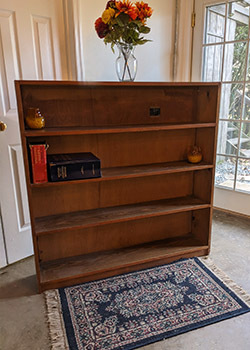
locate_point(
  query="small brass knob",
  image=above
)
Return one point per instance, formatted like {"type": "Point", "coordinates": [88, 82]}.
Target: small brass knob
{"type": "Point", "coordinates": [3, 126]}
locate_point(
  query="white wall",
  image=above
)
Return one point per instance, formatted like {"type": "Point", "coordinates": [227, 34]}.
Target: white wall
{"type": "Point", "coordinates": [154, 58]}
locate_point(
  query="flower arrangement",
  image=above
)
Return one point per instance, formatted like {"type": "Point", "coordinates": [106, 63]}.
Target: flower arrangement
{"type": "Point", "coordinates": [124, 22]}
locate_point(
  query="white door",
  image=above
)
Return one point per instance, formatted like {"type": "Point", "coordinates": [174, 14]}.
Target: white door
{"type": "Point", "coordinates": [221, 53]}
{"type": "Point", "coordinates": [32, 46]}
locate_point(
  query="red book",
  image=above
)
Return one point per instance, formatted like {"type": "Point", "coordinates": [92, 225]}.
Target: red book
{"type": "Point", "coordinates": [39, 163]}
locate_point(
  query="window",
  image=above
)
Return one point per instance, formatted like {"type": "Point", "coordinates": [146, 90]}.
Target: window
{"type": "Point", "coordinates": [226, 58]}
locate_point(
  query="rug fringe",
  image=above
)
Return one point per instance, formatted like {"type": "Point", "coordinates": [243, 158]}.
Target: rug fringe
{"type": "Point", "coordinates": [241, 293]}
{"type": "Point", "coordinates": [55, 321]}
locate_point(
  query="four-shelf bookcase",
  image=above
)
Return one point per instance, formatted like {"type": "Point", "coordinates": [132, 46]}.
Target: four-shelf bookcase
{"type": "Point", "coordinates": [150, 206]}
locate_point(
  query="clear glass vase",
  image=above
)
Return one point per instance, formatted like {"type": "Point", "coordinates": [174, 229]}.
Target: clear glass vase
{"type": "Point", "coordinates": [126, 63]}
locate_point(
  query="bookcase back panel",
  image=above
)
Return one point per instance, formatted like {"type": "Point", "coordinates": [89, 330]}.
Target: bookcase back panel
{"type": "Point", "coordinates": [114, 236]}
{"type": "Point", "coordinates": [116, 150]}
{"type": "Point", "coordinates": [86, 105]}
{"type": "Point", "coordinates": [77, 197]}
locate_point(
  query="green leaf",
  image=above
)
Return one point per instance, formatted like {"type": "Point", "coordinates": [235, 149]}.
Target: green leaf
{"type": "Point", "coordinates": [143, 41]}
{"type": "Point", "coordinates": [144, 30]}
{"type": "Point", "coordinates": [122, 20]}
{"type": "Point", "coordinates": [119, 22]}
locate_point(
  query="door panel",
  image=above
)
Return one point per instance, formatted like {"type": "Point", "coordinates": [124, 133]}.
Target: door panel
{"type": "Point", "coordinates": [32, 46]}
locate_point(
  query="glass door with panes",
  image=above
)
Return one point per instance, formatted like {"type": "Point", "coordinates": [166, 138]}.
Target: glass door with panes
{"type": "Point", "coordinates": [221, 53]}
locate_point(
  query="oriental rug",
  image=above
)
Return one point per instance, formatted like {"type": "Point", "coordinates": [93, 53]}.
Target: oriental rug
{"type": "Point", "coordinates": [135, 309]}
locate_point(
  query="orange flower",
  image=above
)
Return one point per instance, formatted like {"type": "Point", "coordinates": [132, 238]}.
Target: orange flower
{"type": "Point", "coordinates": [125, 6]}
{"type": "Point", "coordinates": [144, 11]}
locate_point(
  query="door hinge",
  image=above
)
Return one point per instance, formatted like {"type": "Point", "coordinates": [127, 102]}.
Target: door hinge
{"type": "Point", "coordinates": [193, 20]}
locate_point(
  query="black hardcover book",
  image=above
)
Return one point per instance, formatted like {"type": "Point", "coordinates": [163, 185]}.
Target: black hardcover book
{"type": "Point", "coordinates": [73, 166]}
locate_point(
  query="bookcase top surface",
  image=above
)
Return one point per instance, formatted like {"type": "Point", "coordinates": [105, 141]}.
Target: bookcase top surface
{"type": "Point", "coordinates": [114, 84]}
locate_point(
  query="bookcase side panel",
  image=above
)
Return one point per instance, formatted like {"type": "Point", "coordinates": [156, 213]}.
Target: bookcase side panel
{"type": "Point", "coordinates": [18, 89]}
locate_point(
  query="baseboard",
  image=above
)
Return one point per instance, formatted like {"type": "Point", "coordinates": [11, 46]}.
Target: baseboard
{"type": "Point", "coordinates": [232, 212]}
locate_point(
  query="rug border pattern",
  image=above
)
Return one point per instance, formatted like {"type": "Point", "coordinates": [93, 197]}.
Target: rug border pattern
{"type": "Point", "coordinates": [56, 322]}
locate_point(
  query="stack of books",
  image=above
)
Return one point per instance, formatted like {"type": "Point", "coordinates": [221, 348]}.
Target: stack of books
{"type": "Point", "coordinates": [61, 167]}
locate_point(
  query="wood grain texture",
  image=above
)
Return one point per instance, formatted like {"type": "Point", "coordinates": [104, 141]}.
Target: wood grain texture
{"type": "Point", "coordinates": [113, 236]}
{"type": "Point", "coordinates": [90, 195]}
{"type": "Point", "coordinates": [190, 252]}
{"type": "Point", "coordinates": [130, 149]}
{"type": "Point", "coordinates": [91, 264]}
{"type": "Point", "coordinates": [104, 216]}
{"type": "Point", "coordinates": [112, 104]}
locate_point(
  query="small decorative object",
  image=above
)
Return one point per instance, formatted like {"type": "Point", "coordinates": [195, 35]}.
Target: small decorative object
{"type": "Point", "coordinates": [194, 154]}
{"type": "Point", "coordinates": [34, 119]}
{"type": "Point", "coordinates": [122, 24]}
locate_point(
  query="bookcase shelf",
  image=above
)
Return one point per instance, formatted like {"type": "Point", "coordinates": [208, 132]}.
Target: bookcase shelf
{"type": "Point", "coordinates": [108, 263]}
{"type": "Point", "coordinates": [111, 215]}
{"type": "Point", "coordinates": [150, 206]}
{"type": "Point", "coordinates": [114, 129]}
{"type": "Point", "coordinates": [135, 171]}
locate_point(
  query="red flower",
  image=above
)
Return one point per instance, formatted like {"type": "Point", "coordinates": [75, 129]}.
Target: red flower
{"type": "Point", "coordinates": [101, 28]}
{"type": "Point", "coordinates": [127, 7]}
{"type": "Point", "coordinates": [144, 11]}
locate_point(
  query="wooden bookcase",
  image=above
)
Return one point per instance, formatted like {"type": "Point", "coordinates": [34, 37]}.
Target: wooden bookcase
{"type": "Point", "coordinates": [150, 206]}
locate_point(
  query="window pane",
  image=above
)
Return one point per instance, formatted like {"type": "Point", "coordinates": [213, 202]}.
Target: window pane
{"type": "Point", "coordinates": [231, 101]}
{"type": "Point", "coordinates": [243, 175]}
{"type": "Point", "coordinates": [225, 170]}
{"type": "Point", "coordinates": [215, 24]}
{"type": "Point", "coordinates": [212, 63]}
{"type": "Point", "coordinates": [245, 140]}
{"type": "Point", "coordinates": [220, 9]}
{"type": "Point", "coordinates": [237, 21]}
{"type": "Point", "coordinates": [228, 136]}
{"type": "Point", "coordinates": [234, 62]}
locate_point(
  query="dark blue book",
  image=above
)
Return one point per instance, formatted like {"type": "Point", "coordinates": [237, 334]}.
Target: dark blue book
{"type": "Point", "coordinates": [73, 166]}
